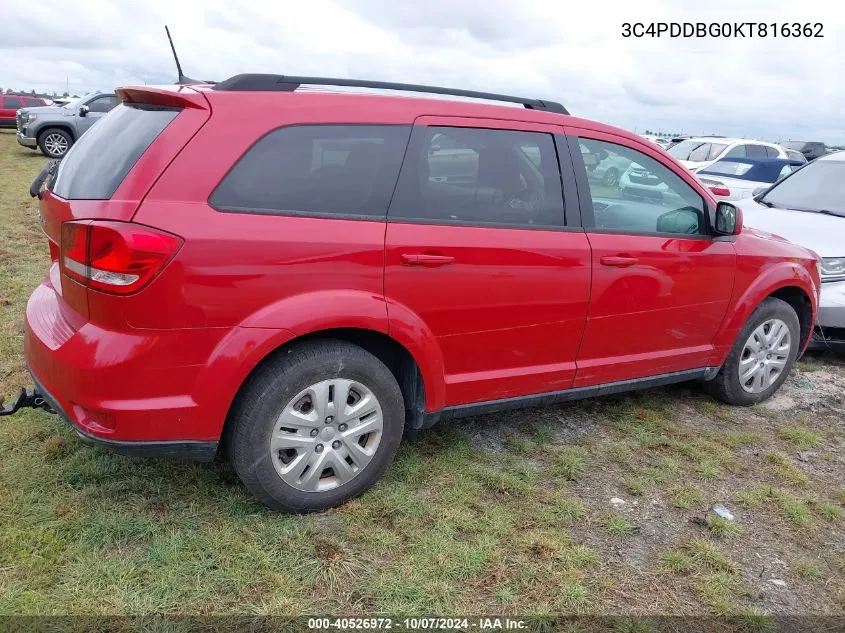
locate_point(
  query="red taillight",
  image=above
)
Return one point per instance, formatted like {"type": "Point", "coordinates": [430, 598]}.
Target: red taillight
{"type": "Point", "coordinates": [114, 257]}
{"type": "Point", "coordinates": [720, 190]}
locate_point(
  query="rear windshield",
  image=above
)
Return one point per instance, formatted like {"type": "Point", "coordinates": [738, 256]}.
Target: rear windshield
{"type": "Point", "coordinates": [99, 161]}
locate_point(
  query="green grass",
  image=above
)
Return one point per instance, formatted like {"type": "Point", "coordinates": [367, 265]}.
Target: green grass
{"type": "Point", "coordinates": [721, 527]}
{"type": "Point", "coordinates": [449, 529]}
{"type": "Point", "coordinates": [617, 525]}
{"type": "Point", "coordinates": [569, 462]}
{"type": "Point", "coordinates": [800, 437]}
{"type": "Point", "coordinates": [808, 569]}
{"type": "Point", "coordinates": [830, 511]}
{"type": "Point", "coordinates": [684, 496]}
{"type": "Point", "coordinates": [785, 470]}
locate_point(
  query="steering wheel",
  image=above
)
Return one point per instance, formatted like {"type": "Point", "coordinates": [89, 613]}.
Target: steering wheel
{"type": "Point", "coordinates": [526, 200]}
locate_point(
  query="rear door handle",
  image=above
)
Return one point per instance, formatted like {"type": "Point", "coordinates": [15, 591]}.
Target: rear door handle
{"type": "Point", "coordinates": [423, 259]}
{"type": "Point", "coordinates": [618, 261]}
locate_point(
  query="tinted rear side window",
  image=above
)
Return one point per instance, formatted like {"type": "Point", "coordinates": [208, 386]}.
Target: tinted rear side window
{"type": "Point", "coordinates": [11, 103]}
{"type": "Point", "coordinates": [98, 162]}
{"type": "Point", "coordinates": [485, 177]}
{"type": "Point", "coordinates": [30, 102]}
{"type": "Point", "coordinates": [334, 170]}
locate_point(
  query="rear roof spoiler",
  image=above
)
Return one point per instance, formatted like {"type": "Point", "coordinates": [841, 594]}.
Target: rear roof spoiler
{"type": "Point", "coordinates": [256, 82]}
{"type": "Point", "coordinates": [171, 96]}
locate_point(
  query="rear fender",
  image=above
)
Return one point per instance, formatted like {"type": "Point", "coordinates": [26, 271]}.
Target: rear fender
{"type": "Point", "coordinates": [240, 351]}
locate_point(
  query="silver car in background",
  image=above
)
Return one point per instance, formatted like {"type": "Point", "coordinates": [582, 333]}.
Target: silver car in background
{"type": "Point", "coordinates": [808, 208]}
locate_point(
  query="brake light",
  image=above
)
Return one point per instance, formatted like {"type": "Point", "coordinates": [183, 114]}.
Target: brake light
{"type": "Point", "coordinates": [720, 190]}
{"type": "Point", "coordinates": [114, 257]}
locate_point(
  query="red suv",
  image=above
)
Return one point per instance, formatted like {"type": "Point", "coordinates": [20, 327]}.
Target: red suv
{"type": "Point", "coordinates": [10, 104]}
{"type": "Point", "coordinates": [302, 286]}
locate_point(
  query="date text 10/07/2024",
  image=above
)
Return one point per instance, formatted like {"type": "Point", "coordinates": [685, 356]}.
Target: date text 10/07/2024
{"type": "Point", "coordinates": [723, 29]}
{"type": "Point", "coordinates": [416, 624]}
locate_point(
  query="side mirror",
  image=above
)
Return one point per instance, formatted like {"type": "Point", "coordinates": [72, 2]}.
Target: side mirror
{"type": "Point", "coordinates": [759, 191]}
{"type": "Point", "coordinates": [433, 149]}
{"type": "Point", "coordinates": [83, 110]}
{"type": "Point", "coordinates": [683, 221]}
{"type": "Point", "coordinates": [728, 219]}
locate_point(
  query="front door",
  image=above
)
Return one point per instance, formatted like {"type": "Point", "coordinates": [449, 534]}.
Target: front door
{"type": "Point", "coordinates": [478, 255]}
{"type": "Point", "coordinates": [97, 108]}
{"type": "Point", "coordinates": [661, 283]}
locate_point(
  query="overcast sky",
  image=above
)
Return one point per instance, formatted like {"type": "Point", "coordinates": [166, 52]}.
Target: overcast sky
{"type": "Point", "coordinates": [573, 52]}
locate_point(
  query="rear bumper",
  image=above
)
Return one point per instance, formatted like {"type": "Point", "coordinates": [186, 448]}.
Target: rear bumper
{"type": "Point", "coordinates": [140, 391]}
{"type": "Point", "coordinates": [26, 141]}
{"type": "Point", "coordinates": [193, 450]}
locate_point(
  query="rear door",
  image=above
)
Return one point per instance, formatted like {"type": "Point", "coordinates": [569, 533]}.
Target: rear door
{"type": "Point", "coordinates": [660, 284]}
{"type": "Point", "coordinates": [9, 105]}
{"type": "Point", "coordinates": [480, 258]}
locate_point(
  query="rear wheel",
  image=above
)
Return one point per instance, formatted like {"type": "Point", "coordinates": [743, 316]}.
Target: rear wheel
{"type": "Point", "coordinates": [316, 426]}
{"type": "Point", "coordinates": [54, 142]}
{"type": "Point", "coordinates": [761, 357]}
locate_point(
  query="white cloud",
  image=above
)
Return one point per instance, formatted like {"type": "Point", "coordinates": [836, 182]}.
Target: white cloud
{"type": "Point", "coordinates": [571, 52]}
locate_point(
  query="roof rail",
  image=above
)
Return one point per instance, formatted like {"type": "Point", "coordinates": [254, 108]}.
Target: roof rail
{"type": "Point", "coordinates": [289, 83]}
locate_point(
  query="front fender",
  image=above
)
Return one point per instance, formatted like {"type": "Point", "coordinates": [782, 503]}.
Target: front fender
{"type": "Point", "coordinates": [784, 274]}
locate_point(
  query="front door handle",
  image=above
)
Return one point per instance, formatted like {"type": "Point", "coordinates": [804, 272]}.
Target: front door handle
{"type": "Point", "coordinates": [425, 259]}
{"type": "Point", "coordinates": [618, 261]}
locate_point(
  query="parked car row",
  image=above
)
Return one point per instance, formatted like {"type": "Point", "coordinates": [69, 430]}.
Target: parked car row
{"type": "Point", "coordinates": [54, 129]}
{"type": "Point", "coordinates": [11, 103]}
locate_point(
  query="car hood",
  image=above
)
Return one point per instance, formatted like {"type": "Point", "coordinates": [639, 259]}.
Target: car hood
{"type": "Point", "coordinates": [824, 234]}
{"type": "Point", "coordinates": [45, 110]}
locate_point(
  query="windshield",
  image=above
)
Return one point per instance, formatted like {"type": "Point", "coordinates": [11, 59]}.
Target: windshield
{"type": "Point", "coordinates": [818, 186]}
{"type": "Point", "coordinates": [682, 150]}
{"type": "Point", "coordinates": [76, 102]}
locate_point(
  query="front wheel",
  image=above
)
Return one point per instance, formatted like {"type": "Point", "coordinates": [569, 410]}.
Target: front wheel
{"type": "Point", "coordinates": [54, 142]}
{"type": "Point", "coordinates": [315, 426]}
{"type": "Point", "coordinates": [761, 357]}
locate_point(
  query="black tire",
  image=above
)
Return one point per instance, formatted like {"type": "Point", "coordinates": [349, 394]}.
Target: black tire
{"type": "Point", "coordinates": [611, 177]}
{"type": "Point", "coordinates": [273, 386]}
{"type": "Point", "coordinates": [726, 386]}
{"type": "Point", "coordinates": [45, 134]}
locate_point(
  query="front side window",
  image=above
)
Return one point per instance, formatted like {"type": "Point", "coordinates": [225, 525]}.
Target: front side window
{"type": "Point", "coordinates": [485, 177]}
{"type": "Point", "coordinates": [102, 104]}
{"type": "Point", "coordinates": [649, 197]}
{"type": "Point", "coordinates": [316, 170]}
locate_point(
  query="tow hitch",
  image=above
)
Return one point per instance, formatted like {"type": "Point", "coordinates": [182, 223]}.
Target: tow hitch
{"type": "Point", "coordinates": [26, 398]}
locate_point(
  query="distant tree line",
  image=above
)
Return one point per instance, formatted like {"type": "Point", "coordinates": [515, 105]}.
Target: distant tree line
{"type": "Point", "coordinates": [32, 93]}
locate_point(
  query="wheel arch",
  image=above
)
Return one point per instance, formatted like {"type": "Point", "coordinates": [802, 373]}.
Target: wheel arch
{"type": "Point", "coordinates": [789, 282]}
{"type": "Point", "coordinates": [801, 303]}
{"type": "Point", "coordinates": [393, 354]}
{"type": "Point", "coordinates": [58, 126]}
